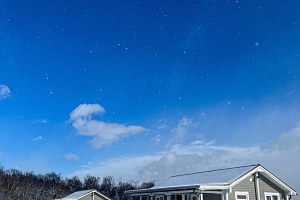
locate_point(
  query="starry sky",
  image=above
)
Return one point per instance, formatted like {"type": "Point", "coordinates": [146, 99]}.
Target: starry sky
{"type": "Point", "coordinates": [145, 89]}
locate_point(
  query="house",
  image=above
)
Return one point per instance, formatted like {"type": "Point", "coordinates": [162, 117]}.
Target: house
{"type": "Point", "coordinates": [252, 182]}
{"type": "Point", "coordinates": [86, 195]}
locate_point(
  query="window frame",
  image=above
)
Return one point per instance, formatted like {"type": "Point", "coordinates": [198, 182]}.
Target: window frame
{"type": "Point", "coordinates": [272, 194]}
{"type": "Point", "coordinates": [242, 193]}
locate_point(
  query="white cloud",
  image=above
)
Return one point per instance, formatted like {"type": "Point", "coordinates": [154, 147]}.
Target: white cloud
{"type": "Point", "coordinates": [87, 165]}
{"type": "Point", "coordinates": [37, 138]}
{"type": "Point", "coordinates": [84, 110]}
{"type": "Point", "coordinates": [103, 133]}
{"type": "Point", "coordinates": [179, 131]}
{"type": "Point", "coordinates": [71, 156]}
{"type": "Point", "coordinates": [276, 155]}
{"type": "Point", "coordinates": [4, 92]}
{"type": "Point", "coordinates": [130, 165]}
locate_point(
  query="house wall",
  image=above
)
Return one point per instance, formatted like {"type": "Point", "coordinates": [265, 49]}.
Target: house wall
{"type": "Point", "coordinates": [244, 186]}
{"type": "Point", "coordinates": [90, 197]}
{"type": "Point", "coordinates": [265, 185]}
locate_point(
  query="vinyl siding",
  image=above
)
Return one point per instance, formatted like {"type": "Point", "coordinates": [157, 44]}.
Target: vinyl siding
{"type": "Point", "coordinates": [244, 186]}
{"type": "Point", "coordinates": [265, 185]}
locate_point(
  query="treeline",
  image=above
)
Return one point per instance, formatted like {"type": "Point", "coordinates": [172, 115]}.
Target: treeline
{"type": "Point", "coordinates": [17, 185]}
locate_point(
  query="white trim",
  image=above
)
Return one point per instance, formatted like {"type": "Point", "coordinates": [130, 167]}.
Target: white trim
{"type": "Point", "coordinates": [242, 193]}
{"type": "Point", "coordinates": [256, 182]}
{"type": "Point", "coordinates": [272, 194]}
{"type": "Point", "coordinates": [213, 187]}
{"type": "Point", "coordinates": [272, 178]}
{"type": "Point", "coordinates": [211, 192]}
{"type": "Point", "coordinates": [93, 192]}
{"type": "Point", "coordinates": [244, 176]}
{"type": "Point", "coordinates": [279, 182]}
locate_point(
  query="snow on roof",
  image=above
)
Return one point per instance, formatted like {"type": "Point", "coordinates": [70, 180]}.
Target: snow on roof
{"type": "Point", "coordinates": [76, 195]}
{"type": "Point", "coordinates": [218, 176]}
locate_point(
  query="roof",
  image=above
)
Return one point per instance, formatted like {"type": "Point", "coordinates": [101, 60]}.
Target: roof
{"type": "Point", "coordinates": [212, 180]}
{"type": "Point", "coordinates": [218, 176]}
{"type": "Point", "coordinates": [77, 195]}
{"type": "Point", "coordinates": [80, 194]}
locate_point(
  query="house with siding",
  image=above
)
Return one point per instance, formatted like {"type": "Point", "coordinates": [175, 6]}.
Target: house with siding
{"type": "Point", "coordinates": [86, 195]}
{"type": "Point", "coordinates": [252, 182]}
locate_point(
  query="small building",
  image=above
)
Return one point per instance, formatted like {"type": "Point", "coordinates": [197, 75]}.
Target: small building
{"type": "Point", "coordinates": [86, 195]}
{"type": "Point", "coordinates": [252, 182]}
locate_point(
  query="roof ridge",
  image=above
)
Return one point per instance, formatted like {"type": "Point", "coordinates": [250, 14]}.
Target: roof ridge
{"type": "Point", "coordinates": [215, 170]}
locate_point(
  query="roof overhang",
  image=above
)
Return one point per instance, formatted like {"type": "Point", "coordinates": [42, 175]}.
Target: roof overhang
{"type": "Point", "coordinates": [168, 189]}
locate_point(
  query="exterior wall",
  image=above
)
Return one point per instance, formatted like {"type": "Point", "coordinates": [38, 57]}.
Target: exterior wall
{"type": "Point", "coordinates": [244, 186]}
{"type": "Point", "coordinates": [212, 197]}
{"type": "Point", "coordinates": [90, 197]}
{"type": "Point", "coordinates": [265, 185]}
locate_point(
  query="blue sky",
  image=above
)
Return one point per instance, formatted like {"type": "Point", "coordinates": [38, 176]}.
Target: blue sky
{"type": "Point", "coordinates": [151, 87]}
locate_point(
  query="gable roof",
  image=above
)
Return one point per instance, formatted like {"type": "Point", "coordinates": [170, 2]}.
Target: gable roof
{"type": "Point", "coordinates": [213, 180]}
{"type": "Point", "coordinates": [80, 194]}
{"type": "Point", "coordinates": [218, 176]}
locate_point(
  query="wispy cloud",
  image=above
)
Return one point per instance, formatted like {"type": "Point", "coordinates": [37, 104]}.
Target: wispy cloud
{"type": "Point", "coordinates": [86, 110]}
{"type": "Point", "coordinates": [179, 131]}
{"type": "Point", "coordinates": [162, 124]}
{"type": "Point", "coordinates": [102, 133]}
{"type": "Point", "coordinates": [157, 139]}
{"type": "Point", "coordinates": [204, 155]}
{"type": "Point", "coordinates": [37, 138]}
{"type": "Point", "coordinates": [4, 92]}
{"type": "Point", "coordinates": [40, 121]}
{"type": "Point", "coordinates": [71, 156]}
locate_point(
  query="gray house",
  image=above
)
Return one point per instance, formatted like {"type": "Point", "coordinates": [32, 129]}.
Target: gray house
{"type": "Point", "coordinates": [252, 182]}
{"type": "Point", "coordinates": [86, 195]}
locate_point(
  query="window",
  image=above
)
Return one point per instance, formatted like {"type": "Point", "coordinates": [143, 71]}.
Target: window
{"type": "Point", "coordinates": [179, 197]}
{"type": "Point", "coordinates": [159, 197]}
{"type": "Point", "coordinates": [271, 196]}
{"type": "Point", "coordinates": [242, 196]}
